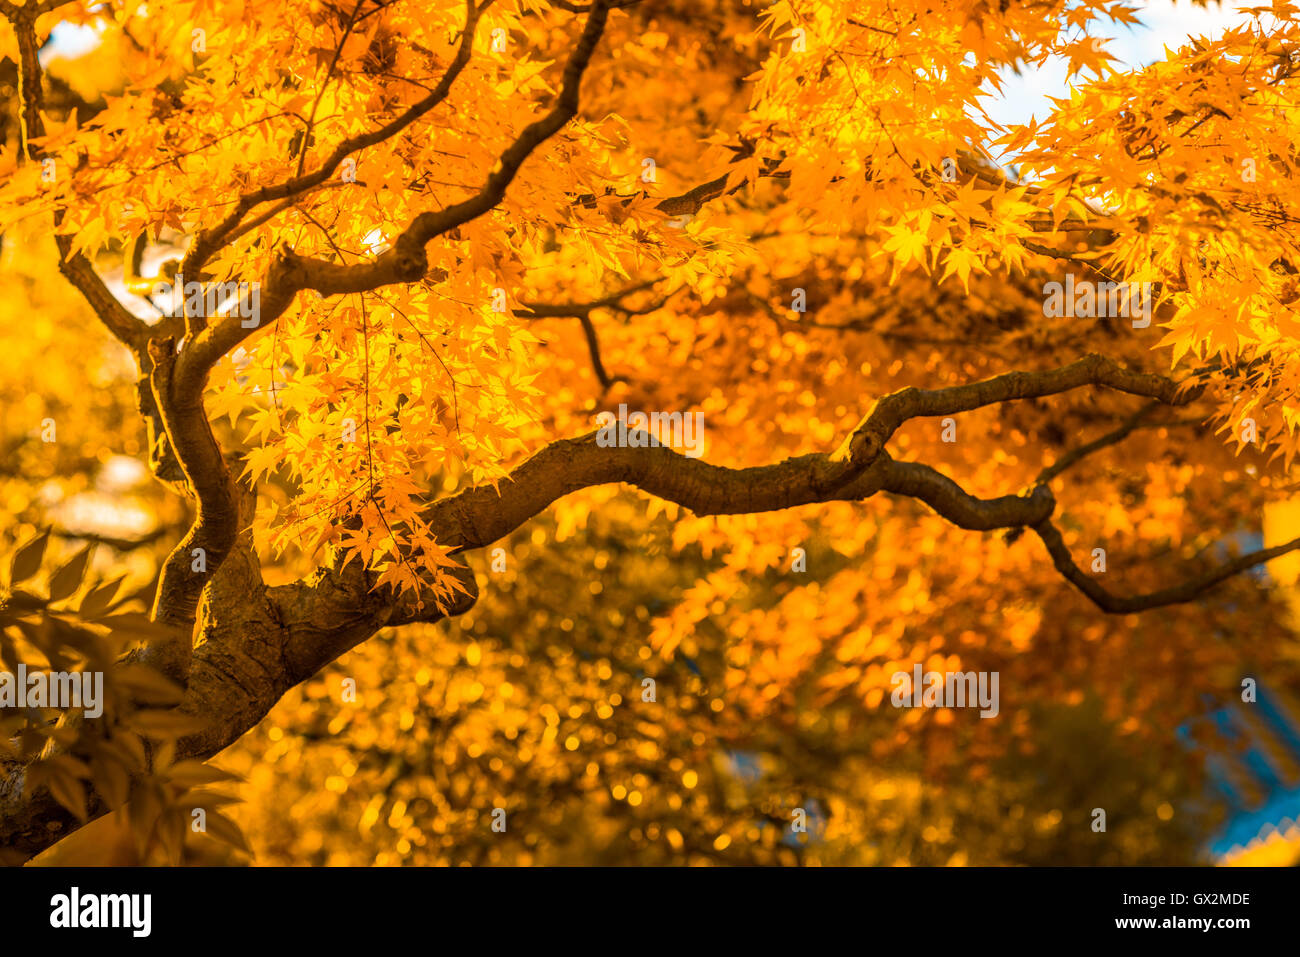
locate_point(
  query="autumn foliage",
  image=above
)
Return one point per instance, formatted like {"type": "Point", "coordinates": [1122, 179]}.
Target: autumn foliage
{"type": "Point", "coordinates": [322, 300]}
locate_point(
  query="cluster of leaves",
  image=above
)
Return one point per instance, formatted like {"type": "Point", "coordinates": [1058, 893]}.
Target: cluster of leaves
{"type": "Point", "coordinates": [126, 753]}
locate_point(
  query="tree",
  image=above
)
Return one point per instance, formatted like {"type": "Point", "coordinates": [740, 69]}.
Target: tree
{"type": "Point", "coordinates": [419, 246]}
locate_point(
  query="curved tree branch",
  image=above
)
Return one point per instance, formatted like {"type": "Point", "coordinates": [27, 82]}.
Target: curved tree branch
{"type": "Point", "coordinates": [209, 241]}
{"type": "Point", "coordinates": [216, 526]}
{"type": "Point", "coordinates": [406, 260]}
{"type": "Point", "coordinates": [858, 469]}
{"type": "Point", "coordinates": [1125, 429]}
{"type": "Point", "coordinates": [582, 312]}
{"type": "Point", "coordinates": [1188, 590]}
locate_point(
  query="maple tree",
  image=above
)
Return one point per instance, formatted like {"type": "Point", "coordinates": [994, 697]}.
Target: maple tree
{"type": "Point", "coordinates": [373, 267]}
